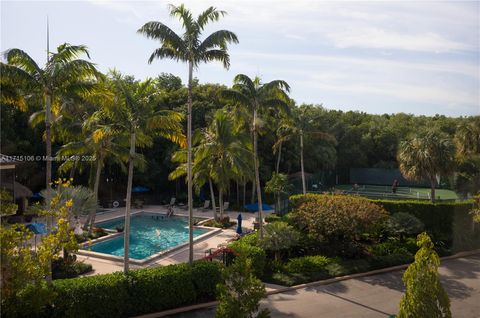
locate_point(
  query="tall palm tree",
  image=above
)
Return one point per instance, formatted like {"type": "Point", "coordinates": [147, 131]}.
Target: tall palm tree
{"type": "Point", "coordinates": [301, 125]}
{"type": "Point", "coordinates": [190, 49]}
{"type": "Point", "coordinates": [64, 72]}
{"type": "Point", "coordinates": [136, 115]}
{"type": "Point", "coordinates": [257, 96]}
{"type": "Point", "coordinates": [425, 157]}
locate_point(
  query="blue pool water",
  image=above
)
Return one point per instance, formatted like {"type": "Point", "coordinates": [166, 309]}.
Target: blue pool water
{"type": "Point", "coordinates": [149, 234]}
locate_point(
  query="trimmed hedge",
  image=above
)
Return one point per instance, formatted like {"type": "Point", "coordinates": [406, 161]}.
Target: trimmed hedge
{"type": "Point", "coordinates": [140, 292]}
{"type": "Point", "coordinates": [449, 222]}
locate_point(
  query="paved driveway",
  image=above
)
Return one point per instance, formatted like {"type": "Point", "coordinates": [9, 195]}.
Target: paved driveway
{"type": "Point", "coordinates": [374, 296]}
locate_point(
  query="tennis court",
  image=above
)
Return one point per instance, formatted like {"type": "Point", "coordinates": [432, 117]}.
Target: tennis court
{"type": "Point", "coordinates": [403, 193]}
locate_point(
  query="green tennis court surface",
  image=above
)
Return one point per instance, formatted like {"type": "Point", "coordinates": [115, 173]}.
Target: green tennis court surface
{"type": "Point", "coordinates": [403, 193]}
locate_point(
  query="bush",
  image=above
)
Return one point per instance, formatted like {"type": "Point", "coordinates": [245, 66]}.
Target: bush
{"type": "Point", "coordinates": [402, 224]}
{"type": "Point", "coordinates": [449, 222]}
{"type": "Point", "coordinates": [337, 218]}
{"type": "Point", "coordinates": [393, 247]}
{"type": "Point", "coordinates": [307, 264]}
{"type": "Point", "coordinates": [272, 218]}
{"type": "Point", "coordinates": [255, 253]}
{"type": "Point", "coordinates": [61, 270]}
{"type": "Point", "coordinates": [142, 291]}
{"type": "Point", "coordinates": [279, 236]}
{"type": "Point", "coordinates": [93, 296]}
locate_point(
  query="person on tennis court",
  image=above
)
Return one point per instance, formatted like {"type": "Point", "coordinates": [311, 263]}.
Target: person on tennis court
{"type": "Point", "coordinates": [394, 186]}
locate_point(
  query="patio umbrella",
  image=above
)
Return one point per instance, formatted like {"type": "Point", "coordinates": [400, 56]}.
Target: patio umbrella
{"type": "Point", "coordinates": [239, 224]}
{"type": "Point", "coordinates": [140, 189]}
{"type": "Point", "coordinates": [254, 207]}
{"type": "Point", "coordinates": [36, 228]}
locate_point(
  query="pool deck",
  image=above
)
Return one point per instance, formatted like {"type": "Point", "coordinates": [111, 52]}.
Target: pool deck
{"type": "Point", "coordinates": [103, 266]}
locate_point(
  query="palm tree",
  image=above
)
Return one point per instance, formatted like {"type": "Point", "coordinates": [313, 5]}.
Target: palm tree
{"type": "Point", "coordinates": [301, 125]}
{"type": "Point", "coordinates": [190, 49]}
{"type": "Point", "coordinates": [225, 153]}
{"type": "Point", "coordinates": [99, 142]}
{"type": "Point", "coordinates": [136, 115]}
{"type": "Point", "coordinates": [222, 153]}
{"type": "Point", "coordinates": [425, 157]}
{"type": "Point", "coordinates": [256, 96]}
{"type": "Point", "coordinates": [64, 72]}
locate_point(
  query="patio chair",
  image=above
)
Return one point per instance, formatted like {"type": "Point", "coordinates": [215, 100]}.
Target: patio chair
{"type": "Point", "coordinates": [206, 205]}
{"type": "Point", "coordinates": [225, 206]}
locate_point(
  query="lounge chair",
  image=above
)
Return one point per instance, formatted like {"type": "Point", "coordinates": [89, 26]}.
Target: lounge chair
{"type": "Point", "coordinates": [225, 206]}
{"type": "Point", "coordinates": [206, 205]}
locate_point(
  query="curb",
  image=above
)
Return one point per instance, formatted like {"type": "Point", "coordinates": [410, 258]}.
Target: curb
{"type": "Point", "coordinates": [179, 310]}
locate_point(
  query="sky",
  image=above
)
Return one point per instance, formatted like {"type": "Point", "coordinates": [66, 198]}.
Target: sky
{"type": "Point", "coordinates": [419, 57]}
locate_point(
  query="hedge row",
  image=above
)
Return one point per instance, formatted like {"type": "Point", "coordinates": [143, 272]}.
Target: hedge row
{"type": "Point", "coordinates": [449, 222]}
{"type": "Point", "coordinates": [142, 291]}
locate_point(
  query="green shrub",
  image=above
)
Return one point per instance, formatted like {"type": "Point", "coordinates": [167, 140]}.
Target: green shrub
{"type": "Point", "coordinates": [93, 296]}
{"type": "Point", "coordinates": [403, 223]}
{"type": "Point", "coordinates": [142, 291]}
{"type": "Point", "coordinates": [61, 270]}
{"type": "Point", "coordinates": [251, 239]}
{"type": "Point", "coordinates": [171, 284]}
{"type": "Point", "coordinates": [391, 247]}
{"type": "Point", "coordinates": [383, 261]}
{"type": "Point", "coordinates": [255, 253]}
{"type": "Point", "coordinates": [279, 236]}
{"type": "Point", "coordinates": [307, 264]}
{"type": "Point", "coordinates": [272, 218]}
{"type": "Point", "coordinates": [205, 277]}
{"type": "Point", "coordinates": [449, 222]}
{"type": "Point", "coordinates": [337, 218]}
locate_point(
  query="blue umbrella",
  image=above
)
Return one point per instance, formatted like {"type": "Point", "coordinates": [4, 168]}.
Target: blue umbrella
{"type": "Point", "coordinates": [36, 195]}
{"type": "Point", "coordinates": [37, 228]}
{"type": "Point", "coordinates": [239, 224]}
{"type": "Point", "coordinates": [254, 207]}
{"type": "Point", "coordinates": [140, 189]}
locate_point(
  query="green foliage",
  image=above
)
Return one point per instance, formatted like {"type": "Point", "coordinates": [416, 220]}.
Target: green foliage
{"type": "Point", "coordinates": [140, 292]}
{"type": "Point", "coordinates": [425, 296]}
{"type": "Point", "coordinates": [240, 295]}
{"type": "Point", "coordinates": [449, 222]}
{"type": "Point", "coordinates": [7, 207]}
{"type": "Point", "coordinates": [69, 269]}
{"type": "Point", "coordinates": [308, 264]}
{"type": "Point", "coordinates": [272, 218]}
{"type": "Point", "coordinates": [22, 272]}
{"type": "Point", "coordinates": [338, 218]}
{"type": "Point", "coordinates": [254, 253]}
{"type": "Point", "coordinates": [279, 236]}
{"type": "Point", "coordinates": [278, 184]}
{"type": "Point", "coordinates": [475, 212]}
{"type": "Point", "coordinates": [402, 223]}
{"type": "Point", "coordinates": [393, 246]}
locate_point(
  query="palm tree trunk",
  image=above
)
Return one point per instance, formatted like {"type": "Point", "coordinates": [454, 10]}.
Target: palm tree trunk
{"type": "Point", "coordinates": [238, 193]}
{"type": "Point", "coordinates": [254, 189]}
{"type": "Point", "coordinates": [189, 164]}
{"type": "Point", "coordinates": [432, 189]}
{"type": "Point", "coordinates": [257, 174]}
{"type": "Point", "coordinates": [72, 171]}
{"type": "Point", "coordinates": [93, 213]}
{"type": "Point", "coordinates": [220, 202]}
{"type": "Point", "coordinates": [212, 196]}
{"type": "Point", "coordinates": [126, 231]}
{"type": "Point", "coordinates": [244, 191]}
{"type": "Point", "coordinates": [304, 188]}
{"type": "Point", "coordinates": [279, 156]}
{"type": "Point", "coordinates": [48, 170]}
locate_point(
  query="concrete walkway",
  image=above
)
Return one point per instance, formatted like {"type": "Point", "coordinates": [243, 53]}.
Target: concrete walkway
{"type": "Point", "coordinates": [373, 296]}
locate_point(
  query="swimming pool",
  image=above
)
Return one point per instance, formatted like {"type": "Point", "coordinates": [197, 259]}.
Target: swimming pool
{"type": "Point", "coordinates": [150, 234]}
